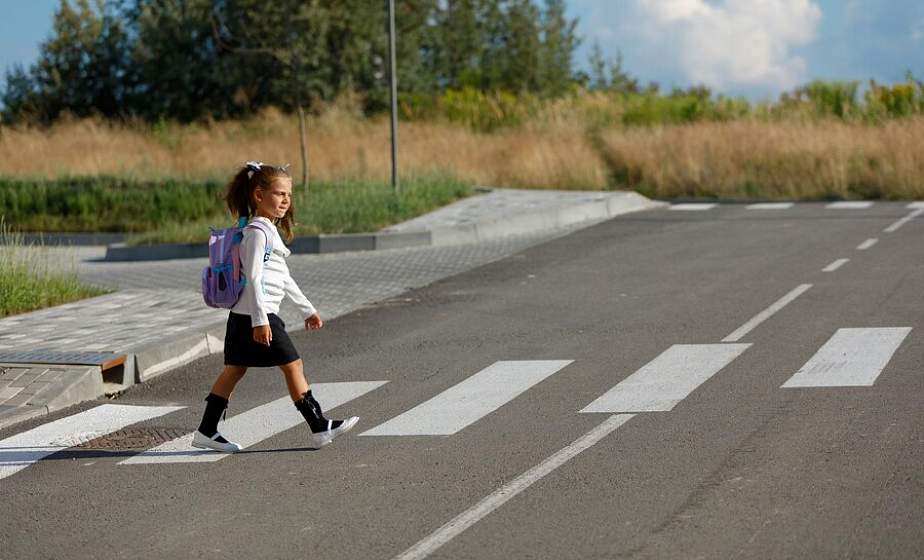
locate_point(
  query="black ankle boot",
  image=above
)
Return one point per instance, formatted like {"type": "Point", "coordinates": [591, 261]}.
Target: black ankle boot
{"type": "Point", "coordinates": [313, 414]}
{"type": "Point", "coordinates": [215, 406]}
{"type": "Point", "coordinates": [323, 431]}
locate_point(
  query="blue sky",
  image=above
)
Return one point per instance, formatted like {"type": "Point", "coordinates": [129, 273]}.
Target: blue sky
{"type": "Point", "coordinates": [756, 48]}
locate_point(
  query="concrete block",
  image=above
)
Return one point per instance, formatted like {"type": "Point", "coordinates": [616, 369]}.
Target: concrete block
{"type": "Point", "coordinates": [80, 384]}
{"type": "Point", "coordinates": [456, 235]}
{"type": "Point", "coordinates": [164, 355]}
{"type": "Point", "coordinates": [121, 252]}
{"type": "Point", "coordinates": [579, 213]}
{"type": "Point", "coordinates": [400, 240]}
{"type": "Point", "coordinates": [346, 242]}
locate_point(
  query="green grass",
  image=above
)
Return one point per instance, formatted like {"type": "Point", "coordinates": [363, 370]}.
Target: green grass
{"type": "Point", "coordinates": [173, 211]}
{"type": "Point", "coordinates": [28, 282]}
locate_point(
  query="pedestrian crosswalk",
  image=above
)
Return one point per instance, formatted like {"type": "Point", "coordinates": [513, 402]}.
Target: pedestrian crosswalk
{"type": "Point", "coordinates": [254, 425]}
{"type": "Point", "coordinates": [850, 357]}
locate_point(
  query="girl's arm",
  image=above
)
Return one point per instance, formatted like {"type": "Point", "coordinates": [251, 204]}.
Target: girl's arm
{"type": "Point", "coordinates": [252, 248]}
{"type": "Point", "coordinates": [294, 293]}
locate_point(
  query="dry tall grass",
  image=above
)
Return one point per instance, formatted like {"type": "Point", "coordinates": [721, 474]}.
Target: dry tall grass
{"type": "Point", "coordinates": [807, 159]}
{"type": "Point", "coordinates": [784, 160]}
{"type": "Point", "coordinates": [340, 145]}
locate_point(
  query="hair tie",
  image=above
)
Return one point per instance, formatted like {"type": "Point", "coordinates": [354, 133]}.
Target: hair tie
{"type": "Point", "coordinates": [252, 167]}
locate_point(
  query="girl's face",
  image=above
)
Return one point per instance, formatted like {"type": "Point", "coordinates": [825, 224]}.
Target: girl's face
{"type": "Point", "coordinates": [273, 202]}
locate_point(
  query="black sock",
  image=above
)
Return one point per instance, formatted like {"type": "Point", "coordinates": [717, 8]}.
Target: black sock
{"type": "Point", "coordinates": [214, 406]}
{"type": "Point", "coordinates": [311, 410]}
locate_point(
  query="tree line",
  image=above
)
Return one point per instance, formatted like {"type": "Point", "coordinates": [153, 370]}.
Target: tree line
{"type": "Point", "coordinates": [194, 59]}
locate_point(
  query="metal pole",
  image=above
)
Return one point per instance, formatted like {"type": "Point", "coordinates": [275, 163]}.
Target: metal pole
{"type": "Point", "coordinates": [392, 66]}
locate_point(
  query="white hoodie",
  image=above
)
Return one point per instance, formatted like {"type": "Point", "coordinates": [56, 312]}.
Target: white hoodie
{"type": "Point", "coordinates": [269, 282]}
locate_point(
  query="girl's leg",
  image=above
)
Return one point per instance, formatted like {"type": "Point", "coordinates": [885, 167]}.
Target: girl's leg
{"type": "Point", "coordinates": [323, 430]}
{"type": "Point", "coordinates": [296, 380]}
{"type": "Point", "coordinates": [228, 379]}
{"type": "Point", "coordinates": [216, 402]}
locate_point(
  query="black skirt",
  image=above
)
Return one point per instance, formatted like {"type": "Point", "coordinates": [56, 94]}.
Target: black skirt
{"type": "Point", "coordinates": [242, 350]}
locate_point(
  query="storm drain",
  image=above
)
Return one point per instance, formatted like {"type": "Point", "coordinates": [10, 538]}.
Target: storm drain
{"type": "Point", "coordinates": [132, 438]}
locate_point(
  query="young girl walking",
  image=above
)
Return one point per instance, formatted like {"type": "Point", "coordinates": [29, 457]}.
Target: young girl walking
{"type": "Point", "coordinates": [255, 335]}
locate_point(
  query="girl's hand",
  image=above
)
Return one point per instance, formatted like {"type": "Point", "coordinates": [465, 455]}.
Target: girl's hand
{"type": "Point", "coordinates": [263, 335]}
{"type": "Point", "coordinates": [313, 323]}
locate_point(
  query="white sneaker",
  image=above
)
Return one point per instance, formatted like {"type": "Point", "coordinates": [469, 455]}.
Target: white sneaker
{"type": "Point", "coordinates": [321, 439]}
{"type": "Point", "coordinates": [203, 441]}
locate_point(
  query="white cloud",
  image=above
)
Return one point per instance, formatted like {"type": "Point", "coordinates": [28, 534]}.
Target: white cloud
{"type": "Point", "coordinates": [733, 43]}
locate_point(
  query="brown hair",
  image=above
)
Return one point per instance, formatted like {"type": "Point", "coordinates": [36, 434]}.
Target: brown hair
{"type": "Point", "coordinates": [240, 200]}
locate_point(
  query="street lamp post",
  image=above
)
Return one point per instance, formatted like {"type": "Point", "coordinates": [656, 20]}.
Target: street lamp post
{"type": "Point", "coordinates": [393, 78]}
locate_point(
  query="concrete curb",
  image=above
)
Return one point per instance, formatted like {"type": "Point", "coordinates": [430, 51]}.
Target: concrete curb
{"type": "Point", "coordinates": [68, 386]}
{"type": "Point", "coordinates": [527, 222]}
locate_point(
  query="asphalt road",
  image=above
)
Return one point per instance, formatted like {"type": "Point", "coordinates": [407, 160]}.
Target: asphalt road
{"type": "Point", "coordinates": [720, 461]}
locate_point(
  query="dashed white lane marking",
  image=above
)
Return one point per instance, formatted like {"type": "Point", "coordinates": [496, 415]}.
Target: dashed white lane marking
{"type": "Point", "coordinates": [665, 381]}
{"type": "Point", "coordinates": [468, 401]}
{"type": "Point", "coordinates": [744, 329]}
{"type": "Point", "coordinates": [894, 227]}
{"type": "Point", "coordinates": [503, 494]}
{"type": "Point", "coordinates": [850, 205]}
{"type": "Point", "coordinates": [850, 358]}
{"type": "Point", "coordinates": [255, 425]}
{"type": "Point", "coordinates": [770, 206]}
{"type": "Point", "coordinates": [20, 451]}
{"type": "Point", "coordinates": [867, 244]}
{"type": "Point", "coordinates": [693, 206]}
{"type": "Point", "coordinates": [835, 265]}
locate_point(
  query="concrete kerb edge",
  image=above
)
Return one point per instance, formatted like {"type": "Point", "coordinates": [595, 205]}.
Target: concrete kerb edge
{"type": "Point", "coordinates": [87, 385]}
{"type": "Point", "coordinates": [613, 204]}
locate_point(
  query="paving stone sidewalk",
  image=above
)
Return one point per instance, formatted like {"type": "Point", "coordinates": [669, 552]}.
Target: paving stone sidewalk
{"type": "Point", "coordinates": [157, 316]}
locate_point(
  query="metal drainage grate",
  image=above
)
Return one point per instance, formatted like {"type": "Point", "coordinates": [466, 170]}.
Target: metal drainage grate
{"type": "Point", "coordinates": [133, 438]}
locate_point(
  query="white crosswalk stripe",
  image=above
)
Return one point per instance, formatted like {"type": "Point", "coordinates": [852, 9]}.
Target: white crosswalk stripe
{"type": "Point", "coordinates": [850, 205]}
{"type": "Point", "coordinates": [770, 206]}
{"type": "Point", "coordinates": [668, 379]}
{"type": "Point", "coordinates": [22, 450]}
{"type": "Point", "coordinates": [255, 425]}
{"type": "Point", "coordinates": [693, 206]}
{"type": "Point", "coordinates": [850, 358]}
{"type": "Point", "coordinates": [470, 400]}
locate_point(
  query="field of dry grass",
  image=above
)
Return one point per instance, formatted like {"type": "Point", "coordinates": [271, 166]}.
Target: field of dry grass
{"type": "Point", "coordinates": [746, 159]}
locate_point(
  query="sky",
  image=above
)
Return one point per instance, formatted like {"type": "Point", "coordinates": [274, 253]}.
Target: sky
{"type": "Point", "coordinates": [754, 48]}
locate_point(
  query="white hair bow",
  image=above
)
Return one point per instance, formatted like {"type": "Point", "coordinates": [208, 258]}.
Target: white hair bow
{"type": "Point", "coordinates": [253, 167]}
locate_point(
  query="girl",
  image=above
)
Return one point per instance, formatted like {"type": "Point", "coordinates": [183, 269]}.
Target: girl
{"type": "Point", "coordinates": [255, 336]}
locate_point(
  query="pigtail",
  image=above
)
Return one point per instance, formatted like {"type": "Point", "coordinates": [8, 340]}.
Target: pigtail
{"type": "Point", "coordinates": [239, 194]}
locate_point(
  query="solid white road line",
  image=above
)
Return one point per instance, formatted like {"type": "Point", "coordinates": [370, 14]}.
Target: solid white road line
{"type": "Point", "coordinates": [665, 381]}
{"type": "Point", "coordinates": [915, 205]}
{"type": "Point", "coordinates": [894, 227]}
{"type": "Point", "coordinates": [692, 206]}
{"type": "Point", "coordinates": [20, 451]}
{"type": "Point", "coordinates": [257, 424]}
{"type": "Point", "coordinates": [468, 401]}
{"type": "Point", "coordinates": [849, 205]}
{"type": "Point", "coordinates": [744, 329]}
{"type": "Point", "coordinates": [500, 496]}
{"type": "Point", "coordinates": [835, 265]}
{"type": "Point", "coordinates": [850, 358]}
{"type": "Point", "coordinates": [867, 244]}
{"type": "Point", "coordinates": [770, 206]}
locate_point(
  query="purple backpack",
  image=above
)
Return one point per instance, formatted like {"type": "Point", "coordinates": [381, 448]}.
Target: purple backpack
{"type": "Point", "coordinates": [222, 283]}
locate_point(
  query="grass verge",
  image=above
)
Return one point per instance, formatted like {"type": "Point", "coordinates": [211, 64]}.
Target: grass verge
{"type": "Point", "coordinates": [29, 282]}
{"type": "Point", "coordinates": [174, 211]}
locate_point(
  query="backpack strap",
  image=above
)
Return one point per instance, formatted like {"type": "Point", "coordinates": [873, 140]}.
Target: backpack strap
{"type": "Point", "coordinates": [268, 250]}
